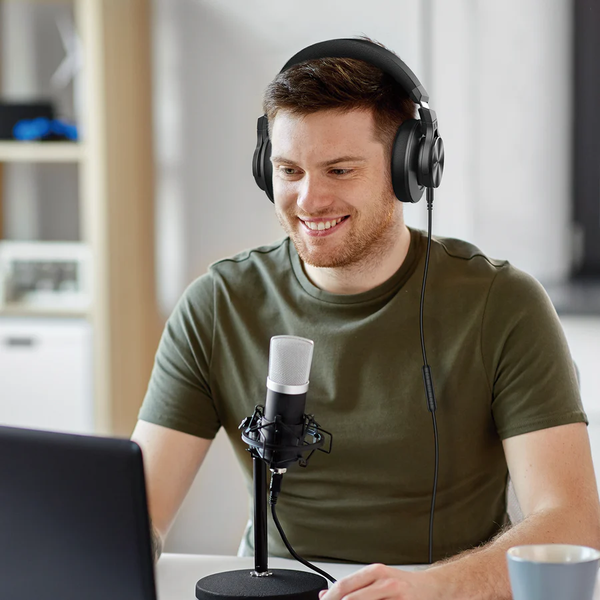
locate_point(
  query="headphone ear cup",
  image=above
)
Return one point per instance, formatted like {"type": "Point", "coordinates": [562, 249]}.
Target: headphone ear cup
{"type": "Point", "coordinates": [405, 153]}
{"type": "Point", "coordinates": [262, 169]}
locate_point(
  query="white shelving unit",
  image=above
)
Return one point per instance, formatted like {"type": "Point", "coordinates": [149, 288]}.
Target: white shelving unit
{"type": "Point", "coordinates": [115, 183]}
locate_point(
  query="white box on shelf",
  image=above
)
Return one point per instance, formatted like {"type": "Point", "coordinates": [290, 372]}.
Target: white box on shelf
{"type": "Point", "coordinates": [45, 275]}
{"type": "Point", "coordinates": [46, 374]}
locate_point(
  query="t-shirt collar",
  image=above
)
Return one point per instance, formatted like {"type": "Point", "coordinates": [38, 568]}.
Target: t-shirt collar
{"type": "Point", "coordinates": [388, 287]}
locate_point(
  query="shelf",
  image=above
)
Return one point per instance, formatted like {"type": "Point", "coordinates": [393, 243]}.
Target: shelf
{"type": "Point", "coordinates": [9, 310]}
{"type": "Point", "coordinates": [51, 152]}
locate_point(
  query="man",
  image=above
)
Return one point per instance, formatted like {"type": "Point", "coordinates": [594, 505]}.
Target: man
{"type": "Point", "coordinates": [349, 278]}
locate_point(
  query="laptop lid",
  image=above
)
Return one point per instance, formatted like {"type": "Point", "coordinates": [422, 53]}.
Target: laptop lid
{"type": "Point", "coordinates": [73, 518]}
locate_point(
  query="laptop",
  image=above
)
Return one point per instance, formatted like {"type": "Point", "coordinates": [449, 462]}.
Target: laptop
{"type": "Point", "coordinates": [73, 518]}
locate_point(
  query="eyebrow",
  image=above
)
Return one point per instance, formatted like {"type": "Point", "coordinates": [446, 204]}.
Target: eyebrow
{"type": "Point", "coordinates": [327, 163]}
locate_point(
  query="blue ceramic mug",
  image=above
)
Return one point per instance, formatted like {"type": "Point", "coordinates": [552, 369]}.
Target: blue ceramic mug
{"type": "Point", "coordinates": [552, 572]}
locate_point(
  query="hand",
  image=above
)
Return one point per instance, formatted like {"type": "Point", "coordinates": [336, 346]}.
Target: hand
{"type": "Point", "coordinates": [378, 582]}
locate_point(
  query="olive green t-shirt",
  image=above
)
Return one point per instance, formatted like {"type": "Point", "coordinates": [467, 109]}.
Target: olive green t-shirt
{"type": "Point", "coordinates": [500, 363]}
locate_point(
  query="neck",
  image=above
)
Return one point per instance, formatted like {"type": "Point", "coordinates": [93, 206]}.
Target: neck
{"type": "Point", "coordinates": [365, 275]}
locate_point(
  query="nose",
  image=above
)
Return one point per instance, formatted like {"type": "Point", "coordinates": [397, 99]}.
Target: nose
{"type": "Point", "coordinates": [313, 194]}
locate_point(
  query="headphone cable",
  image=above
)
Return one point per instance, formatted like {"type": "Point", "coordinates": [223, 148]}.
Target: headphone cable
{"type": "Point", "coordinates": [427, 379]}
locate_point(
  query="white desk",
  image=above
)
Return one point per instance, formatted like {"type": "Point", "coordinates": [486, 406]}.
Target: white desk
{"type": "Point", "coordinates": [177, 574]}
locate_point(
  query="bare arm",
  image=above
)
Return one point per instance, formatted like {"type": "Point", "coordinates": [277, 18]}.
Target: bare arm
{"type": "Point", "coordinates": [554, 480]}
{"type": "Point", "coordinates": [171, 461]}
{"type": "Point", "coordinates": [555, 483]}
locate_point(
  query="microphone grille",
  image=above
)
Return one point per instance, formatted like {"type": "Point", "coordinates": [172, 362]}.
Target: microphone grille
{"type": "Point", "coordinates": [290, 358]}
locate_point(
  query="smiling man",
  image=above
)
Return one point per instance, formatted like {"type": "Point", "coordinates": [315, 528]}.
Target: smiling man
{"type": "Point", "coordinates": [348, 276]}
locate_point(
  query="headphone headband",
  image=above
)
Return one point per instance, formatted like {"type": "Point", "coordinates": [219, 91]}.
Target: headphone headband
{"type": "Point", "coordinates": [369, 52]}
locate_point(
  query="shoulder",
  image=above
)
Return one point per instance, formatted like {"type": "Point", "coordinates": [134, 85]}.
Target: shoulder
{"type": "Point", "coordinates": [465, 254]}
{"type": "Point", "coordinates": [458, 267]}
{"type": "Point", "coordinates": [239, 273]}
{"type": "Point", "coordinates": [463, 272]}
{"type": "Point", "coordinates": [465, 258]}
{"type": "Point", "coordinates": [270, 257]}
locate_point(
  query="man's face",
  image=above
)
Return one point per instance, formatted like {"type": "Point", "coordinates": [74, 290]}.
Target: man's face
{"type": "Point", "coordinates": [332, 188]}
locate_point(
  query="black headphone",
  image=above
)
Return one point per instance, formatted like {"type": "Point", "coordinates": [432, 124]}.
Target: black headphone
{"type": "Point", "coordinates": [418, 151]}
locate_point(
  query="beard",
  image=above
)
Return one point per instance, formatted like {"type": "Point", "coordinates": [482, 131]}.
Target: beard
{"type": "Point", "coordinates": [366, 237]}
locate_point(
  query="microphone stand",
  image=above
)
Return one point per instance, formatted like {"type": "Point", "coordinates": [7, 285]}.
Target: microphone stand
{"type": "Point", "coordinates": [261, 553]}
{"type": "Point", "coordinates": [262, 583]}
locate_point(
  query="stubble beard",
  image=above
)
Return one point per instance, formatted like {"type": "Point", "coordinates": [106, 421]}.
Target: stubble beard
{"type": "Point", "coordinates": [366, 241]}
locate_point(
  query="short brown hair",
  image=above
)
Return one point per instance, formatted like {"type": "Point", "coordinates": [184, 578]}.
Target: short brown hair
{"type": "Point", "coordinates": [343, 84]}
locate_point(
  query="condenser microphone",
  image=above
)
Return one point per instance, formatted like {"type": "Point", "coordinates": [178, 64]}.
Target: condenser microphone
{"type": "Point", "coordinates": [278, 434]}
{"type": "Point", "coordinates": [290, 359]}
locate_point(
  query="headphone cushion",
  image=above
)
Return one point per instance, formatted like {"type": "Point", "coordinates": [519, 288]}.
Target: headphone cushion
{"type": "Point", "coordinates": [262, 168]}
{"type": "Point", "coordinates": [405, 153]}
{"type": "Point", "coordinates": [267, 170]}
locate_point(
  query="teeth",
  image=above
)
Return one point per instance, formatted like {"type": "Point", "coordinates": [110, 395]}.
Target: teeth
{"type": "Point", "coordinates": [321, 225]}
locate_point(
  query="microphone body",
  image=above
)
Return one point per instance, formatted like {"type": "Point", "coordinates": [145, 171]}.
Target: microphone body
{"type": "Point", "coordinates": [286, 411]}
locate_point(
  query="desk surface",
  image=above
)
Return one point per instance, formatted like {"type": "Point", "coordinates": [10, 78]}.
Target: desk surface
{"type": "Point", "coordinates": [177, 574]}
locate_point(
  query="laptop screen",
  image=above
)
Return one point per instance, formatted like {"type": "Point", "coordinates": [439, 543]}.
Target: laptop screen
{"type": "Point", "coordinates": [73, 518]}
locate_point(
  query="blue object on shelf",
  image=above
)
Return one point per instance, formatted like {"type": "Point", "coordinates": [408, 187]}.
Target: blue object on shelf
{"type": "Point", "coordinates": [63, 128]}
{"type": "Point", "coordinates": [13, 112]}
{"type": "Point", "coordinates": [43, 129]}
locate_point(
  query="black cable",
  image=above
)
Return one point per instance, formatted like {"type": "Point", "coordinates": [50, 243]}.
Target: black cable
{"type": "Point", "coordinates": [293, 552]}
{"type": "Point", "coordinates": [425, 270]}
{"type": "Point", "coordinates": [276, 485]}
{"type": "Point", "coordinates": [435, 480]}
{"type": "Point", "coordinates": [427, 379]}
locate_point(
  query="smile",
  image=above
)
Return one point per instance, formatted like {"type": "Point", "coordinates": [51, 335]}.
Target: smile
{"type": "Point", "coordinates": [323, 225]}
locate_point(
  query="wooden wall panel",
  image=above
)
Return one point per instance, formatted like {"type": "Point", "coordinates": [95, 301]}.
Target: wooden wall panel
{"type": "Point", "coordinates": [133, 314]}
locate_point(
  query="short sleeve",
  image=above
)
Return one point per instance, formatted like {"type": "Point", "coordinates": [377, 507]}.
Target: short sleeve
{"type": "Point", "coordinates": [527, 359]}
{"type": "Point", "coordinates": [179, 392]}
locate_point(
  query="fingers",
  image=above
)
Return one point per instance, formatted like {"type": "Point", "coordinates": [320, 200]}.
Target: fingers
{"type": "Point", "coordinates": [375, 582]}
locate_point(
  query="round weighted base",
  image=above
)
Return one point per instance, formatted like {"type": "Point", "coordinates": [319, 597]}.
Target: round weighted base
{"type": "Point", "coordinates": [283, 584]}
